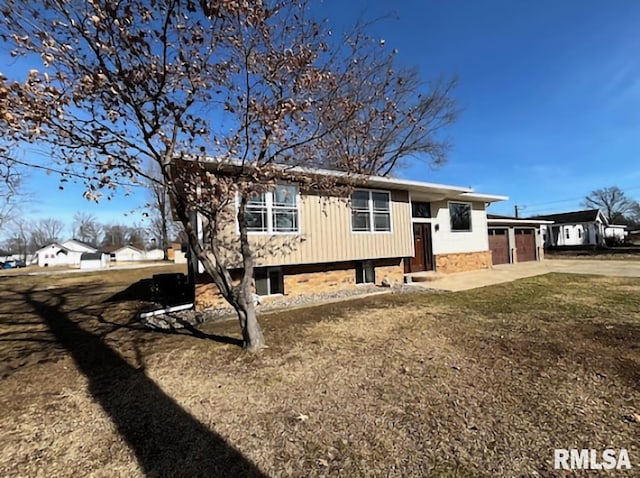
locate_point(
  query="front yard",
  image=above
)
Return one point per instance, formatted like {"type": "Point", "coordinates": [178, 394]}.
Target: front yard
{"type": "Point", "coordinates": [480, 383]}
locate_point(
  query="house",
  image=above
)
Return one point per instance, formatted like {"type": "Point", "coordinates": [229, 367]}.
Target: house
{"type": "Point", "coordinates": [134, 253]}
{"type": "Point", "coordinates": [386, 229]}
{"type": "Point", "coordinates": [66, 253]}
{"type": "Point", "coordinates": [633, 237]}
{"type": "Point", "coordinates": [513, 239]}
{"type": "Point", "coordinates": [128, 253]}
{"type": "Point", "coordinates": [176, 253]}
{"type": "Point", "coordinates": [579, 228]}
{"type": "Point", "coordinates": [615, 233]}
{"type": "Point", "coordinates": [154, 255]}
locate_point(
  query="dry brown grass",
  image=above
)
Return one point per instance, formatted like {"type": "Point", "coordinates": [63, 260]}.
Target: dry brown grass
{"type": "Point", "coordinates": [480, 383]}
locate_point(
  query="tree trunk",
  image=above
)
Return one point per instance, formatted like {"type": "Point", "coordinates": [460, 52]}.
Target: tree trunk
{"type": "Point", "coordinates": [251, 331]}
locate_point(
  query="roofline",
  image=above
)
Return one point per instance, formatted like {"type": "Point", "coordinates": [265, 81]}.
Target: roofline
{"type": "Point", "coordinates": [518, 221]}
{"type": "Point", "coordinates": [55, 244]}
{"type": "Point", "coordinates": [450, 191]}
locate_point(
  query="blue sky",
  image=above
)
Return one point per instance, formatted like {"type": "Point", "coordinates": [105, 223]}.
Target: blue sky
{"type": "Point", "coordinates": [549, 92]}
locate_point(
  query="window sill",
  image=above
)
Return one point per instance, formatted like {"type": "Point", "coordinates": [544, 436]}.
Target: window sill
{"type": "Point", "coordinates": [257, 233]}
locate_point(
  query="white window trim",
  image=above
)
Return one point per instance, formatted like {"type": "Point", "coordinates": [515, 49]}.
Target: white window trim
{"type": "Point", "coordinates": [451, 229]}
{"type": "Point", "coordinates": [269, 206]}
{"type": "Point", "coordinates": [371, 212]}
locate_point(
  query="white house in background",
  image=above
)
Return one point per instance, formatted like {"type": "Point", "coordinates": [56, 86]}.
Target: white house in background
{"type": "Point", "coordinates": [579, 228]}
{"type": "Point", "coordinates": [154, 255]}
{"type": "Point", "coordinates": [66, 253]}
{"type": "Point", "coordinates": [128, 253]}
{"type": "Point", "coordinates": [616, 232]}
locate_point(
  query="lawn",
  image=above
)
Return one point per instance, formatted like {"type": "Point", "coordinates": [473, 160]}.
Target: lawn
{"type": "Point", "coordinates": [480, 383]}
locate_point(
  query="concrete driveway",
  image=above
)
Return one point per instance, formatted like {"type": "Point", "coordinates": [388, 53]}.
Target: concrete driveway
{"type": "Point", "coordinates": [511, 272]}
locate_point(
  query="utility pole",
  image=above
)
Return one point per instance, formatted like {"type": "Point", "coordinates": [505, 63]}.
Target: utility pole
{"type": "Point", "coordinates": [516, 210]}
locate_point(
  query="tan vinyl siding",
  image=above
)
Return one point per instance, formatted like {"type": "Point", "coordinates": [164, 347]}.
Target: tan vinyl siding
{"type": "Point", "coordinates": [325, 235]}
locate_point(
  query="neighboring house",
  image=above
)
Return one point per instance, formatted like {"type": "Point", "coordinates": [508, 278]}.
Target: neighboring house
{"type": "Point", "coordinates": [389, 228]}
{"type": "Point", "coordinates": [616, 233]}
{"type": "Point", "coordinates": [94, 260]}
{"type": "Point", "coordinates": [176, 253]}
{"type": "Point", "coordinates": [128, 253]}
{"type": "Point", "coordinates": [633, 237]}
{"type": "Point", "coordinates": [578, 228]}
{"type": "Point", "coordinates": [65, 253]}
{"type": "Point", "coordinates": [154, 255]}
{"type": "Point", "coordinates": [513, 239]}
{"type": "Point", "coordinates": [131, 253]}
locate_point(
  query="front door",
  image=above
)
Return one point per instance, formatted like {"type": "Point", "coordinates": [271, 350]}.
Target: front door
{"type": "Point", "coordinates": [423, 258]}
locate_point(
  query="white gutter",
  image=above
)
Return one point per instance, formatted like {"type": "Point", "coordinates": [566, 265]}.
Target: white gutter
{"type": "Point", "coordinates": [518, 221]}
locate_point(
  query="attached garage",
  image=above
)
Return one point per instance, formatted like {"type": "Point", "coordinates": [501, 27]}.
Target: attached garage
{"type": "Point", "coordinates": [499, 245]}
{"type": "Point", "coordinates": [513, 239]}
{"type": "Point", "coordinates": [526, 244]}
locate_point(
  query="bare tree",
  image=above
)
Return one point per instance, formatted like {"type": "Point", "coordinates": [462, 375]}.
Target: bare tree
{"type": "Point", "coordinates": [10, 182]}
{"type": "Point", "coordinates": [261, 86]}
{"type": "Point", "coordinates": [45, 231]}
{"type": "Point", "coordinates": [86, 228]}
{"type": "Point", "coordinates": [115, 235]}
{"type": "Point", "coordinates": [11, 175]}
{"type": "Point", "coordinates": [613, 202]}
{"type": "Point", "coordinates": [161, 224]}
{"type": "Point", "coordinates": [136, 235]}
{"type": "Point", "coordinates": [17, 241]}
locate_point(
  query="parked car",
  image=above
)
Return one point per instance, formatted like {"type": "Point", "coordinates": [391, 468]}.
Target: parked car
{"type": "Point", "coordinates": [13, 264]}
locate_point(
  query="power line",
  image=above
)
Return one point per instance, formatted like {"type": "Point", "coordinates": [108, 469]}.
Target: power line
{"type": "Point", "coordinates": [68, 173]}
{"type": "Point", "coordinates": [559, 201]}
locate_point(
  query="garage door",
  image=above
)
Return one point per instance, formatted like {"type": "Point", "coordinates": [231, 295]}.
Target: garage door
{"type": "Point", "coordinates": [499, 245]}
{"type": "Point", "coordinates": [526, 244]}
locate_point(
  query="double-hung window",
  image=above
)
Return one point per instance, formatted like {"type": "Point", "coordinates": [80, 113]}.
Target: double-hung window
{"type": "Point", "coordinates": [370, 211]}
{"type": "Point", "coordinates": [274, 211]}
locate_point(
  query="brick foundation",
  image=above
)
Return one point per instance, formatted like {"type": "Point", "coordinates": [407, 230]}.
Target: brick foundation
{"type": "Point", "coordinates": [463, 262]}
{"type": "Point", "coordinates": [308, 279]}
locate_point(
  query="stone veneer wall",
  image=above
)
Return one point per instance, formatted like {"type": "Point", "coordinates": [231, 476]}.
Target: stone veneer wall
{"type": "Point", "coordinates": [308, 279]}
{"type": "Point", "coordinates": [463, 261]}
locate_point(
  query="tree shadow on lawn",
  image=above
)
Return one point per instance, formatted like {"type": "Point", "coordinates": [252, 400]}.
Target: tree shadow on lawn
{"type": "Point", "coordinates": [166, 440]}
{"type": "Point", "coordinates": [26, 338]}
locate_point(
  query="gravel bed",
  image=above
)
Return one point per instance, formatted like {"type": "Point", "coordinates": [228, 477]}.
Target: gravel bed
{"type": "Point", "coordinates": [190, 318]}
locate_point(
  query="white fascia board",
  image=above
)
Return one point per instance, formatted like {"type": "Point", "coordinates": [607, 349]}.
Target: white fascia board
{"type": "Point", "coordinates": [444, 191]}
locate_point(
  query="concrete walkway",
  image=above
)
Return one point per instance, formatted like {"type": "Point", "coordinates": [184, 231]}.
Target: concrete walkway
{"type": "Point", "coordinates": [511, 272]}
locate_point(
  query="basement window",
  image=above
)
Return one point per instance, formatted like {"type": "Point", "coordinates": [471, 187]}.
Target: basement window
{"type": "Point", "coordinates": [365, 272]}
{"type": "Point", "coordinates": [269, 280]}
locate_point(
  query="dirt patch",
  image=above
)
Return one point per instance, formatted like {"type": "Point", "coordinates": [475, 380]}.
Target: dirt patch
{"type": "Point", "coordinates": [479, 383]}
